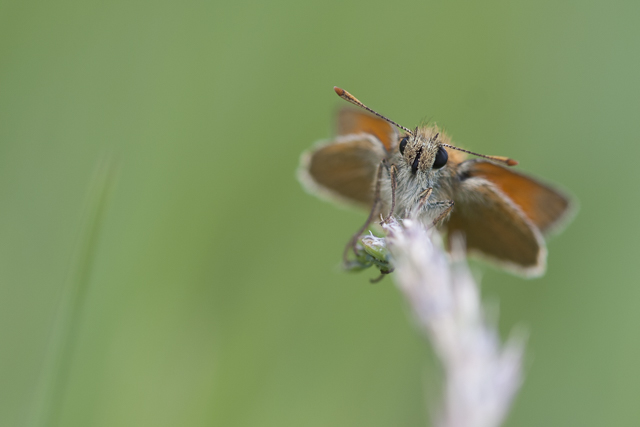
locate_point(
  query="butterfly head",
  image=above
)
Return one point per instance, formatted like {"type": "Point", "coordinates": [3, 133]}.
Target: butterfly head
{"type": "Point", "coordinates": [422, 150]}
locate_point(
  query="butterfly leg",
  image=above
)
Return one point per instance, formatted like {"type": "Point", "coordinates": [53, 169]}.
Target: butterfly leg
{"type": "Point", "coordinates": [393, 174]}
{"type": "Point", "coordinates": [381, 276]}
{"type": "Point", "coordinates": [448, 204]}
{"type": "Point", "coordinates": [351, 245]}
{"type": "Point", "coordinates": [424, 197]}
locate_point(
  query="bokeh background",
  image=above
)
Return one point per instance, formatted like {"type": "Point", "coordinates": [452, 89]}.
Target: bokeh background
{"type": "Point", "coordinates": [212, 294]}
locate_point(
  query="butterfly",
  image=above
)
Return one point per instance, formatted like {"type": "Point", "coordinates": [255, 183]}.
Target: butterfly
{"type": "Point", "coordinates": [391, 170]}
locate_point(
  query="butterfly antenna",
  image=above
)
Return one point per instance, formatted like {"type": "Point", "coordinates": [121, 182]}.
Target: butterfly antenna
{"type": "Point", "coordinates": [352, 99]}
{"type": "Point", "coordinates": [355, 101]}
{"type": "Point", "coordinates": [507, 161]}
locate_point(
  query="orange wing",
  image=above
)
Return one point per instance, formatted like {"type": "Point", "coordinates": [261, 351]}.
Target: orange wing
{"type": "Point", "coordinates": [543, 205]}
{"type": "Point", "coordinates": [357, 121]}
{"type": "Point", "coordinates": [343, 169]}
{"type": "Point", "coordinates": [495, 227]}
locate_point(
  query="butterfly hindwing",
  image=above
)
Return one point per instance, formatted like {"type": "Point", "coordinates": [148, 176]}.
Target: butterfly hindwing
{"type": "Point", "coordinates": [343, 169]}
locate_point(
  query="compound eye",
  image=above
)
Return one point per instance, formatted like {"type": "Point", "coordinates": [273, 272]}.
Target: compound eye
{"type": "Point", "coordinates": [441, 158]}
{"type": "Point", "coordinates": [403, 143]}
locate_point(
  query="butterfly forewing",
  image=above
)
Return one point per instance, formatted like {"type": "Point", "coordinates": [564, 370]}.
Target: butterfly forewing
{"type": "Point", "coordinates": [352, 121]}
{"type": "Point", "coordinates": [543, 205]}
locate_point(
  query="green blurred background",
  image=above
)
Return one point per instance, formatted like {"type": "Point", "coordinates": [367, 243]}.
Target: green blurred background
{"type": "Point", "coordinates": [214, 295]}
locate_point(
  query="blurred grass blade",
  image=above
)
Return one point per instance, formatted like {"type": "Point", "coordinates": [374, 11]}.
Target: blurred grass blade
{"type": "Point", "coordinates": [50, 391]}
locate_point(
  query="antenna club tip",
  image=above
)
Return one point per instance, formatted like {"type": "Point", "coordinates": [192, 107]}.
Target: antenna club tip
{"type": "Point", "coordinates": [511, 162]}
{"type": "Point", "coordinates": [339, 91]}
